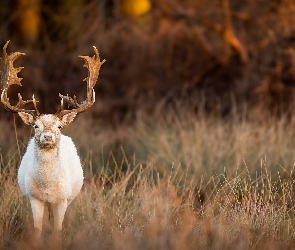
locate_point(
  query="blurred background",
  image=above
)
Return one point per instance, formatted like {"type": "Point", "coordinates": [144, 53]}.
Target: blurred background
{"type": "Point", "coordinates": [222, 56]}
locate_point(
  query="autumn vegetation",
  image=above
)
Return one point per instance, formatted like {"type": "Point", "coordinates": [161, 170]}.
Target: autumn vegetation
{"type": "Point", "coordinates": [190, 143]}
{"type": "Point", "coordinates": [193, 183]}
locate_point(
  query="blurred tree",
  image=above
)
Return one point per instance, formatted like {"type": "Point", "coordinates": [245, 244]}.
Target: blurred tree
{"type": "Point", "coordinates": [28, 20]}
{"type": "Point", "coordinates": [61, 19]}
{"type": "Point", "coordinates": [135, 8]}
{"type": "Point", "coordinates": [70, 17]}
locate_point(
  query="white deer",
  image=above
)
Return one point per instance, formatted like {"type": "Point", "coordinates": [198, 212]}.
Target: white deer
{"type": "Point", "coordinates": [50, 170]}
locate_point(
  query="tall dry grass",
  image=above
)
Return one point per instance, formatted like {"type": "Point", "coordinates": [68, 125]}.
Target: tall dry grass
{"type": "Point", "coordinates": [173, 182]}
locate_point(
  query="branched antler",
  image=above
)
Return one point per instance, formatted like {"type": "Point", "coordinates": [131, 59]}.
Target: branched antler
{"type": "Point", "coordinates": [93, 65]}
{"type": "Point", "coordinates": [8, 77]}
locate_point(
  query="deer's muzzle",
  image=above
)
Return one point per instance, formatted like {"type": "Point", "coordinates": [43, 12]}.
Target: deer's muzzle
{"type": "Point", "coordinates": [47, 138]}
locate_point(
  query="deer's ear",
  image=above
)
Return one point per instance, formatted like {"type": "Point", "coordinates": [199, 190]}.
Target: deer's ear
{"type": "Point", "coordinates": [68, 118]}
{"type": "Point", "coordinates": [27, 118]}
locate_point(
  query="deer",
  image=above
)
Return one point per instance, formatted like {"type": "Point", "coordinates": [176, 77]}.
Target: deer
{"type": "Point", "coordinates": [50, 171]}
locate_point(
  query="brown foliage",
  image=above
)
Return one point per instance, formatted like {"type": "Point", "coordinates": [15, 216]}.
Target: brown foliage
{"type": "Point", "coordinates": [221, 55]}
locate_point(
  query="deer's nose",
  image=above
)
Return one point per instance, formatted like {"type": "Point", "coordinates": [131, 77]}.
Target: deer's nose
{"type": "Point", "coordinates": [48, 137]}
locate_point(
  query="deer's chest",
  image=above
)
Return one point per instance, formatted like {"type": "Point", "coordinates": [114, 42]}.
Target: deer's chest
{"type": "Point", "coordinates": [48, 184]}
{"type": "Point", "coordinates": [48, 192]}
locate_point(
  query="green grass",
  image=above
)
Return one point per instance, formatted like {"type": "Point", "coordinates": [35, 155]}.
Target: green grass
{"type": "Point", "coordinates": [174, 182]}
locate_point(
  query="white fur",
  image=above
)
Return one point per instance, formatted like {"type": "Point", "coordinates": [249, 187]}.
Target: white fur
{"type": "Point", "coordinates": [50, 174]}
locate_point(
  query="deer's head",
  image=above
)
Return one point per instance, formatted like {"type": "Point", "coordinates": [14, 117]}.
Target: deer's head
{"type": "Point", "coordinates": [47, 126]}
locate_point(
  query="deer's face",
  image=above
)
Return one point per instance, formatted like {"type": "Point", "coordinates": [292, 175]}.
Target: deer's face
{"type": "Point", "coordinates": [47, 127]}
{"type": "Point", "coordinates": [47, 130]}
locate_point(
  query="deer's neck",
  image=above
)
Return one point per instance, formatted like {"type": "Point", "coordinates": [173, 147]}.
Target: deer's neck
{"type": "Point", "coordinates": [44, 155]}
{"type": "Point", "coordinates": [47, 163]}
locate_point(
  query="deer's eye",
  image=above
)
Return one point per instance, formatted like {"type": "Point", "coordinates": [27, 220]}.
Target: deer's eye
{"type": "Point", "coordinates": [35, 126]}
{"type": "Point", "coordinates": [60, 127]}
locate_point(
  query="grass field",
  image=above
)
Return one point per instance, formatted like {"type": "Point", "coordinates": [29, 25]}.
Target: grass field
{"type": "Point", "coordinates": [173, 182]}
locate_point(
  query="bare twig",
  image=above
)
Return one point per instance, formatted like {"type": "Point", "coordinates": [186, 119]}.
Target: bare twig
{"type": "Point", "coordinates": [16, 137]}
{"type": "Point", "coordinates": [229, 35]}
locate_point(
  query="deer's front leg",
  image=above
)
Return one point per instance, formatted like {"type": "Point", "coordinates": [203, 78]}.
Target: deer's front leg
{"type": "Point", "coordinates": [59, 211]}
{"type": "Point", "coordinates": [37, 207]}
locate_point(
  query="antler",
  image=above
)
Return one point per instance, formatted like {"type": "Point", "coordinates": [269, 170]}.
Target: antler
{"type": "Point", "coordinates": [8, 77]}
{"type": "Point", "coordinates": [93, 65]}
